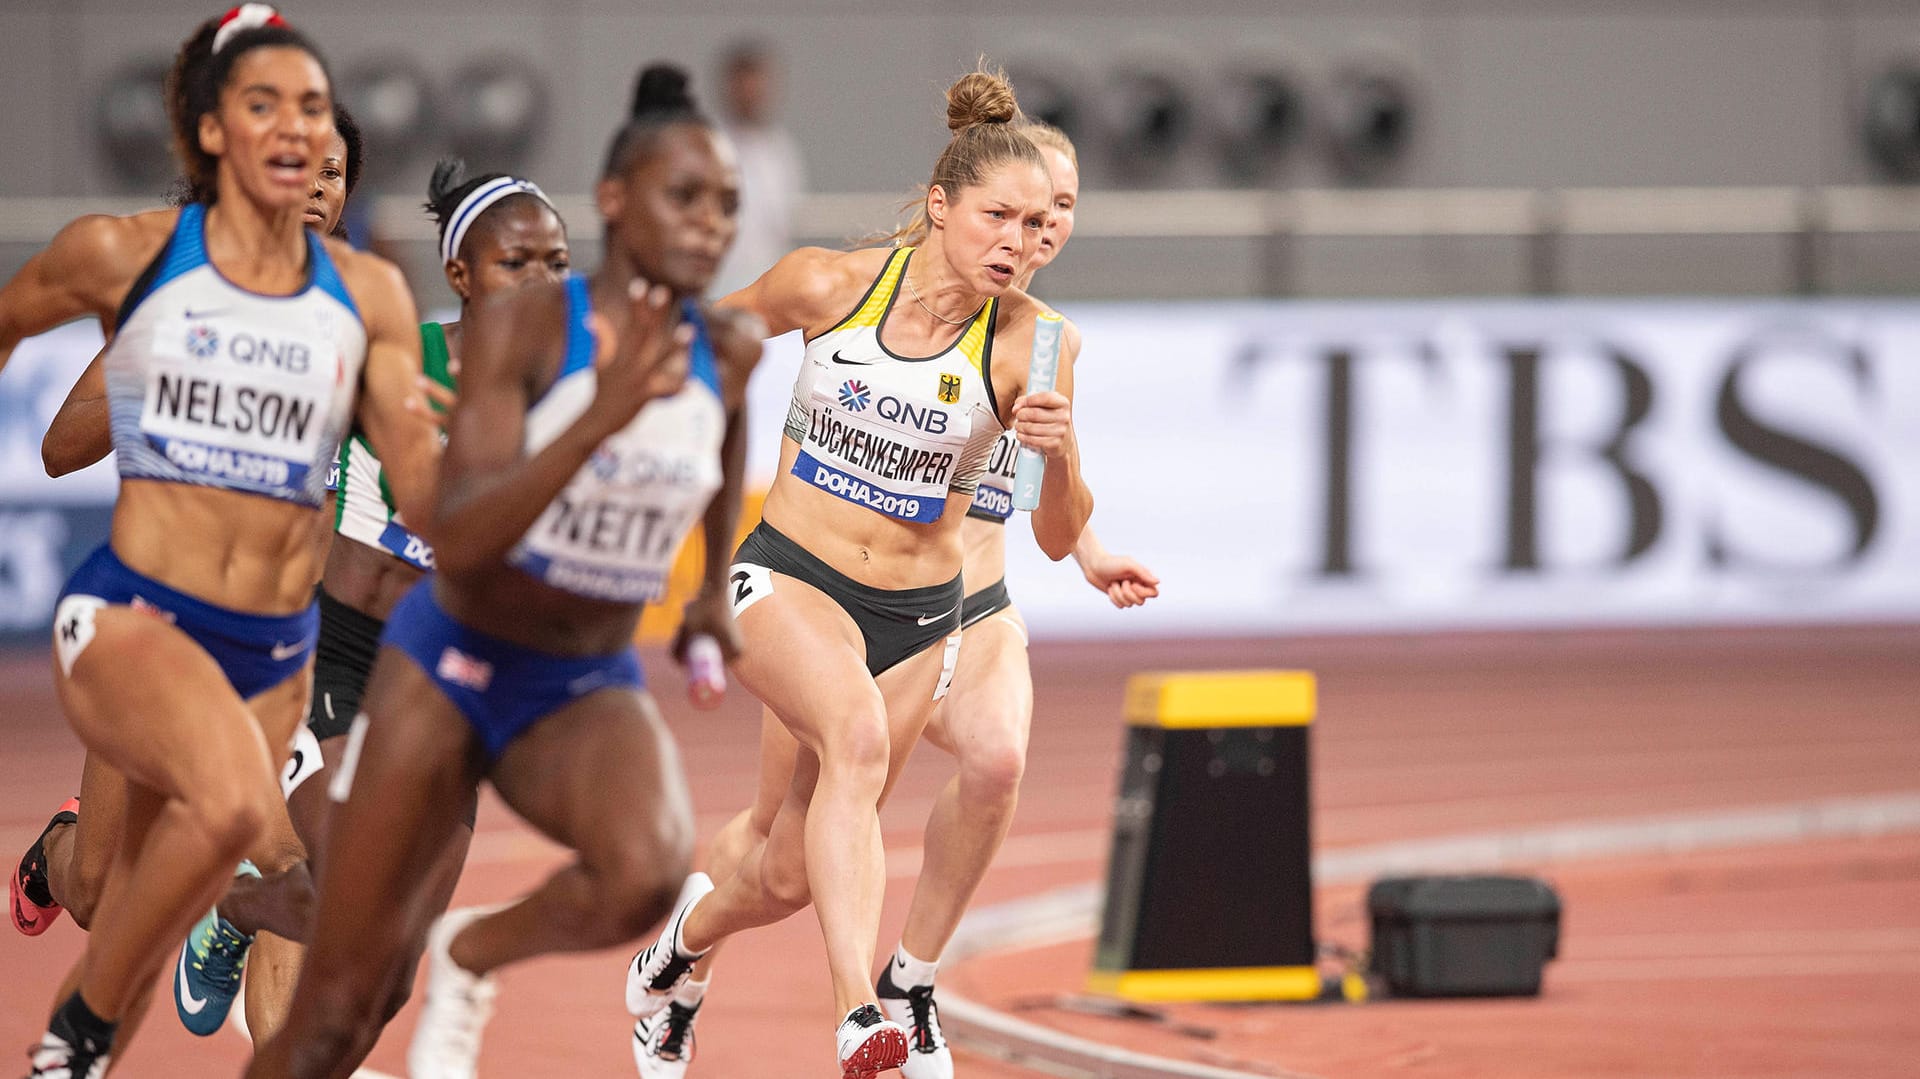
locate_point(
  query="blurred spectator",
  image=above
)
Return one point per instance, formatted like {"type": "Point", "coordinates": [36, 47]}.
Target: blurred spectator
{"type": "Point", "coordinates": [771, 173]}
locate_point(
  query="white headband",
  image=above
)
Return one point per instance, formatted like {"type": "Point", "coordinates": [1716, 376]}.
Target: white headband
{"type": "Point", "coordinates": [245, 17]}
{"type": "Point", "coordinates": [476, 203]}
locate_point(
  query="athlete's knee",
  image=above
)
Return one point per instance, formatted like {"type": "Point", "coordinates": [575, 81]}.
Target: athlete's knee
{"type": "Point", "coordinates": [341, 1025]}
{"type": "Point", "coordinates": [637, 897]}
{"type": "Point", "coordinates": [230, 816]}
{"type": "Point", "coordinates": [640, 885]}
{"type": "Point", "coordinates": [783, 876]}
{"type": "Point", "coordinates": [857, 750]}
{"type": "Point", "coordinates": [991, 766]}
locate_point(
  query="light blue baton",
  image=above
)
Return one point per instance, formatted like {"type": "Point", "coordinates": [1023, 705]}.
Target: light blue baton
{"type": "Point", "coordinates": [1031, 466]}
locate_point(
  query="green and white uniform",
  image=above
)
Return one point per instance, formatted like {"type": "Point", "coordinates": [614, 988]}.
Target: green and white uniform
{"type": "Point", "coordinates": [364, 510]}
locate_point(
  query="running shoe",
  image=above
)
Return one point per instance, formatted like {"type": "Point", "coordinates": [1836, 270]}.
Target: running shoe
{"type": "Point", "coordinates": [914, 1008]}
{"type": "Point", "coordinates": [207, 977]}
{"type": "Point", "coordinates": [446, 1043]}
{"type": "Point", "coordinates": [65, 1054]}
{"type": "Point", "coordinates": [870, 1043]}
{"type": "Point", "coordinates": [33, 907]}
{"type": "Point", "coordinates": [659, 969]}
{"type": "Point", "coordinates": [663, 1043]}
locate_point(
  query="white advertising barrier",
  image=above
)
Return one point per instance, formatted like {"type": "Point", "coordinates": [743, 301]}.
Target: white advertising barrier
{"type": "Point", "coordinates": [46, 526]}
{"type": "Point", "coordinates": [1409, 465]}
{"type": "Point", "coordinates": [1379, 466]}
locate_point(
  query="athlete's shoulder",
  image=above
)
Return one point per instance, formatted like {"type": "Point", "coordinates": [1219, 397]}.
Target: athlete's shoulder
{"type": "Point", "coordinates": [362, 271]}
{"type": "Point", "coordinates": [822, 277]}
{"type": "Point", "coordinates": [115, 243]}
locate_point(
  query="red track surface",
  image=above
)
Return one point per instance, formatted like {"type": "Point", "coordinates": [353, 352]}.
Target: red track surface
{"type": "Point", "coordinates": [1800, 960]}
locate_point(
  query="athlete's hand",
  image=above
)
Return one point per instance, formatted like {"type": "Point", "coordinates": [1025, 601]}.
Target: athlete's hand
{"type": "Point", "coordinates": [1126, 582]}
{"type": "Point", "coordinates": [711, 614]}
{"type": "Point", "coordinates": [647, 362]}
{"type": "Point", "coordinates": [1043, 422]}
{"type": "Point", "coordinates": [433, 403]}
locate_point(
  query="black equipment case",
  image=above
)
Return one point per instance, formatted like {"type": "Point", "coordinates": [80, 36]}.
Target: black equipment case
{"type": "Point", "coordinates": [1481, 936]}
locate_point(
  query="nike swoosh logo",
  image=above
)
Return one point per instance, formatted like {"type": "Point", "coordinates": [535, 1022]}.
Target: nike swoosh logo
{"type": "Point", "coordinates": [928, 620]}
{"type": "Point", "coordinates": [22, 917]}
{"type": "Point", "coordinates": [208, 313]}
{"type": "Point", "coordinates": [899, 963]}
{"type": "Point", "coordinates": [191, 1003]}
{"type": "Point", "coordinates": [837, 358]}
{"type": "Point", "coordinates": [283, 652]}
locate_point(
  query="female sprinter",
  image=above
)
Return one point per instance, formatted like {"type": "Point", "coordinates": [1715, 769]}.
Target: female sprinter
{"type": "Point", "coordinates": [573, 470]}
{"type": "Point", "coordinates": [496, 232]}
{"type": "Point", "coordinates": [984, 719]}
{"type": "Point", "coordinates": [239, 340]}
{"type": "Point", "coordinates": [982, 722]}
{"type": "Point", "coordinates": [67, 866]}
{"type": "Point", "coordinates": [916, 361]}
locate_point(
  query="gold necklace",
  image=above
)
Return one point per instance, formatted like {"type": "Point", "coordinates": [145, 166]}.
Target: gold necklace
{"type": "Point", "coordinates": [915, 293]}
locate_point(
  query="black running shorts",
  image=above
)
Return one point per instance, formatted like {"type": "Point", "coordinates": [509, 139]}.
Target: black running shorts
{"type": "Point", "coordinates": [896, 625]}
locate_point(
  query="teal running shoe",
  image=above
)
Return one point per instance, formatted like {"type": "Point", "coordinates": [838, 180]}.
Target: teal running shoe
{"type": "Point", "coordinates": [207, 978]}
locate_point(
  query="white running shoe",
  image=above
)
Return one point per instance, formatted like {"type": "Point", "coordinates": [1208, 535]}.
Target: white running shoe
{"type": "Point", "coordinates": [446, 1043]}
{"type": "Point", "coordinates": [869, 1043]}
{"type": "Point", "coordinates": [663, 1044]}
{"type": "Point", "coordinates": [660, 968]}
{"type": "Point", "coordinates": [913, 1008]}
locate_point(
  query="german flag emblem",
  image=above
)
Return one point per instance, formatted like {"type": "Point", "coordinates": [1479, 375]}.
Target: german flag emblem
{"type": "Point", "coordinates": [949, 389]}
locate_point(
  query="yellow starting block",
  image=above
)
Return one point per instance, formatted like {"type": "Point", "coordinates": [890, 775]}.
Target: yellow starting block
{"type": "Point", "coordinates": [1210, 885]}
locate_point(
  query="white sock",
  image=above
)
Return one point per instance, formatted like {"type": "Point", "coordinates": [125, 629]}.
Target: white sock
{"type": "Point", "coordinates": [908, 971]}
{"type": "Point", "coordinates": [691, 993]}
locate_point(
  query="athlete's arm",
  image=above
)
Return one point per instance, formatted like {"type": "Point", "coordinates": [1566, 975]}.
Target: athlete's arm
{"type": "Point", "coordinates": [393, 409]}
{"type": "Point", "coordinates": [1125, 581]}
{"type": "Point", "coordinates": [82, 431]}
{"type": "Point", "coordinates": [491, 493]}
{"type": "Point", "coordinates": [736, 343]}
{"type": "Point", "coordinates": [1044, 422]}
{"type": "Point", "coordinates": [85, 270]}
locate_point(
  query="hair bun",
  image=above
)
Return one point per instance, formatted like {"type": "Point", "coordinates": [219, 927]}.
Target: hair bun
{"type": "Point", "coordinates": [661, 88]}
{"type": "Point", "coordinates": [448, 174]}
{"type": "Point", "coordinates": [980, 97]}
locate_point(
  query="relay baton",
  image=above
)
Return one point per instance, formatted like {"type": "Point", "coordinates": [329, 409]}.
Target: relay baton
{"type": "Point", "coordinates": [706, 672]}
{"type": "Point", "coordinates": [1030, 466]}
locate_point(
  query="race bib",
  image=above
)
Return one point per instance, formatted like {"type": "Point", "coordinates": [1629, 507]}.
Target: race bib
{"type": "Point", "coordinates": [894, 455]}
{"type": "Point", "coordinates": [244, 408]}
{"type": "Point", "coordinates": [611, 544]}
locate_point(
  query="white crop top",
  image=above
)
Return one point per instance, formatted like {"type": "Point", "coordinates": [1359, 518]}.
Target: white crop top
{"type": "Point", "coordinates": [612, 532]}
{"type": "Point", "coordinates": [210, 384]}
{"type": "Point", "coordinates": [893, 433]}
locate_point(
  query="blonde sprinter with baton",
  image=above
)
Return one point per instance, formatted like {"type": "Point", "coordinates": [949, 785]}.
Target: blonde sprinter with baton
{"type": "Point", "coordinates": [848, 594]}
{"type": "Point", "coordinates": [983, 722]}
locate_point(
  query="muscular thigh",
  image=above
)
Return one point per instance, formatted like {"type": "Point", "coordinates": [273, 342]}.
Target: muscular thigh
{"type": "Point", "coordinates": [601, 774]}
{"type": "Point", "coordinates": [991, 699]}
{"type": "Point", "coordinates": [805, 660]}
{"type": "Point", "coordinates": [153, 705]}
